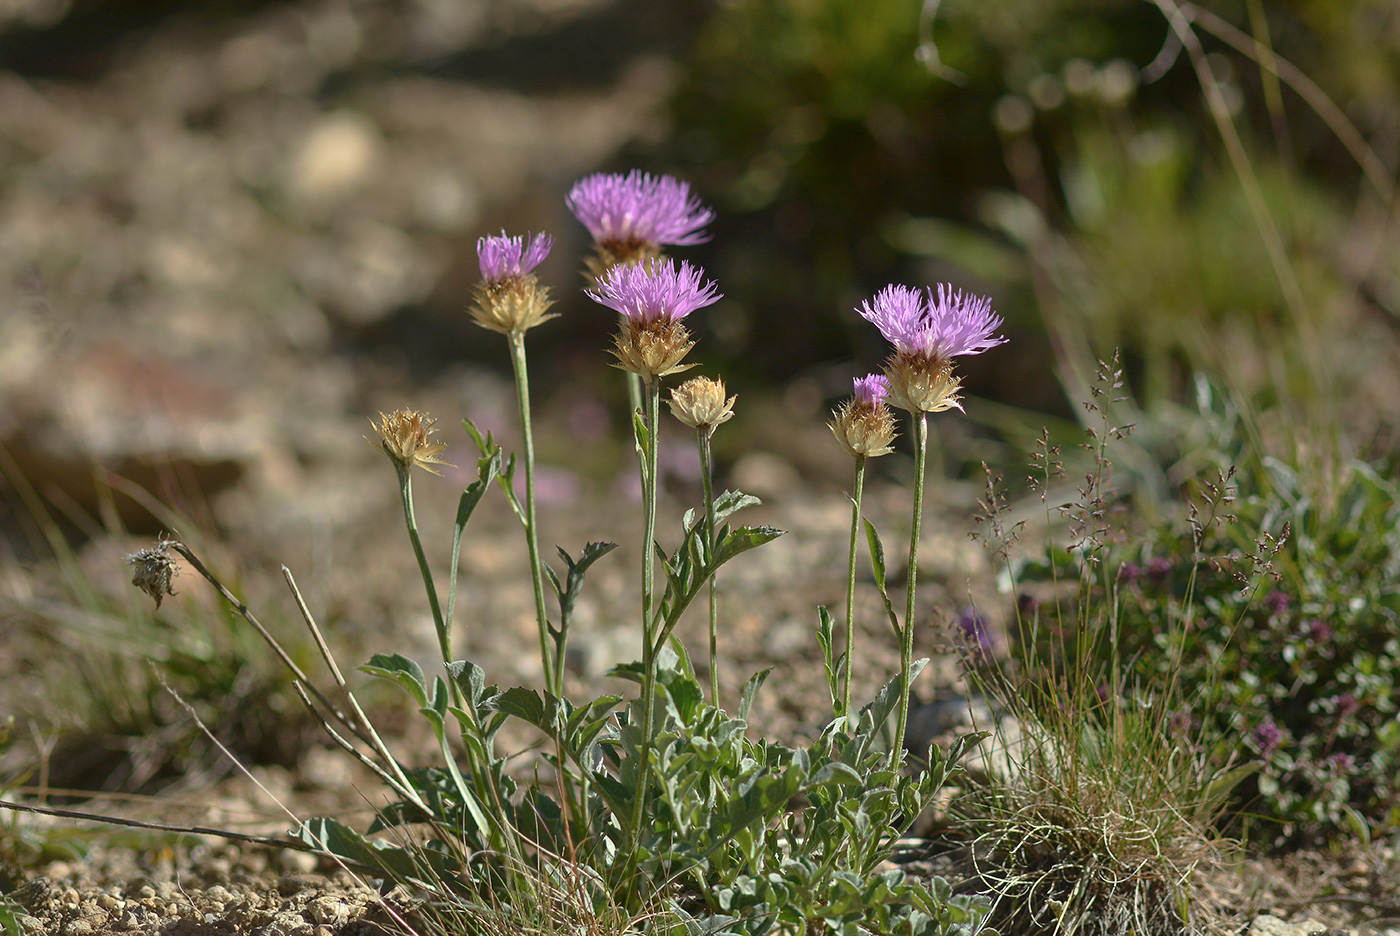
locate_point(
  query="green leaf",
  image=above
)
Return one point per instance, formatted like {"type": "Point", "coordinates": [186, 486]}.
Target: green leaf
{"type": "Point", "coordinates": [523, 704]}
{"type": "Point", "coordinates": [832, 666]}
{"type": "Point", "coordinates": [877, 554]}
{"type": "Point", "coordinates": [337, 839]}
{"type": "Point", "coordinates": [737, 542]}
{"type": "Point", "coordinates": [401, 670]}
{"type": "Point", "coordinates": [470, 679]}
{"type": "Point", "coordinates": [731, 502]}
{"type": "Point", "coordinates": [750, 691]}
{"type": "Point", "coordinates": [877, 564]}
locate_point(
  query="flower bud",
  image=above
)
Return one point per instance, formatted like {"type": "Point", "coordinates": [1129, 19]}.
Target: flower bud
{"type": "Point", "coordinates": [700, 404]}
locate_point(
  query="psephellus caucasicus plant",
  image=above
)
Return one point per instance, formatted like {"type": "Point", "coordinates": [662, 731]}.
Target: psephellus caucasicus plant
{"type": "Point", "coordinates": [667, 790]}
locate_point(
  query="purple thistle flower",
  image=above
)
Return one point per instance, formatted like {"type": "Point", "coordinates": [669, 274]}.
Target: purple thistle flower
{"type": "Point", "coordinates": [872, 389]}
{"type": "Point", "coordinates": [942, 326]}
{"type": "Point", "coordinates": [1159, 570]}
{"type": "Point", "coordinates": [503, 257]}
{"type": "Point", "coordinates": [656, 291]}
{"type": "Point", "coordinates": [639, 208]}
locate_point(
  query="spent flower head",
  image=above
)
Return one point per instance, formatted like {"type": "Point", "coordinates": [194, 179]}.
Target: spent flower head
{"type": "Point", "coordinates": [653, 297]}
{"type": "Point", "coordinates": [509, 298]}
{"type": "Point", "coordinates": [152, 569]}
{"type": "Point", "coordinates": [700, 404]}
{"type": "Point", "coordinates": [864, 425]}
{"type": "Point", "coordinates": [403, 435]}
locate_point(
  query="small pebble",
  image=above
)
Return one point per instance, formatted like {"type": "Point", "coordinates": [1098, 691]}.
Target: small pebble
{"type": "Point", "coordinates": [108, 902]}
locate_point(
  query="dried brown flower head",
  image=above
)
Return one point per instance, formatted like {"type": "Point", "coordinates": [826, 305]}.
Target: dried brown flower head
{"type": "Point", "coordinates": [403, 435]}
{"type": "Point", "coordinates": [700, 404]}
{"type": "Point", "coordinates": [152, 570]}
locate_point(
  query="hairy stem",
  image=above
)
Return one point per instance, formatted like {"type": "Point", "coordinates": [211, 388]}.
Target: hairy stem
{"type": "Point", "coordinates": [551, 662]}
{"type": "Point", "coordinates": [411, 520]}
{"type": "Point", "coordinates": [856, 491]}
{"type": "Point", "coordinates": [707, 471]}
{"type": "Point", "coordinates": [906, 648]}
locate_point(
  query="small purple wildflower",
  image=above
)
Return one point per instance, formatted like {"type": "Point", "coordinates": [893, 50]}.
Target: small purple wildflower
{"type": "Point", "coordinates": [1277, 602]}
{"type": "Point", "coordinates": [938, 326]}
{"type": "Point", "coordinates": [639, 208]}
{"type": "Point", "coordinates": [1267, 735]}
{"type": "Point", "coordinates": [974, 627]}
{"type": "Point", "coordinates": [503, 257]}
{"type": "Point", "coordinates": [1159, 570]}
{"type": "Point", "coordinates": [656, 291]}
{"type": "Point", "coordinates": [1129, 572]}
{"type": "Point", "coordinates": [1320, 631]}
{"type": "Point", "coordinates": [872, 389]}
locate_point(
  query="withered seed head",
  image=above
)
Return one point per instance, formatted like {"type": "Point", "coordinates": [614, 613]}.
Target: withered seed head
{"type": "Point", "coordinates": [403, 435]}
{"type": "Point", "coordinates": [152, 570]}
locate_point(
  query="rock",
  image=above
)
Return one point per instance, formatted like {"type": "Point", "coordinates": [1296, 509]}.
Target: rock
{"type": "Point", "coordinates": [1268, 925]}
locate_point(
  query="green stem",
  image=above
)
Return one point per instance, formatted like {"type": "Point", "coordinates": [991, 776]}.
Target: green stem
{"type": "Point", "coordinates": [857, 490]}
{"type": "Point", "coordinates": [906, 649]}
{"type": "Point", "coordinates": [707, 477]}
{"type": "Point", "coordinates": [406, 492]}
{"type": "Point", "coordinates": [552, 663]}
{"type": "Point", "coordinates": [649, 648]}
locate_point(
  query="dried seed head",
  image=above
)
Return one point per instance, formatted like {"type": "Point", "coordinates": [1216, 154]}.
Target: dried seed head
{"type": "Point", "coordinates": [652, 350]}
{"type": "Point", "coordinates": [700, 404]}
{"type": "Point", "coordinates": [403, 435]}
{"type": "Point", "coordinates": [152, 570]}
{"type": "Point", "coordinates": [922, 384]}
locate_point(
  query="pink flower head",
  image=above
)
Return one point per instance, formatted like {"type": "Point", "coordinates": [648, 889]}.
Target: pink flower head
{"type": "Point", "coordinates": [940, 327]}
{"type": "Point", "coordinates": [638, 208]}
{"type": "Point", "coordinates": [503, 257]}
{"type": "Point", "coordinates": [872, 389]}
{"type": "Point", "coordinates": [654, 291]}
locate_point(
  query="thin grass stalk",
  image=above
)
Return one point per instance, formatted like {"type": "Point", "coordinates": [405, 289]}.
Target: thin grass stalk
{"type": "Point", "coordinates": [906, 648]}
{"type": "Point", "coordinates": [707, 471]}
{"type": "Point", "coordinates": [553, 668]}
{"type": "Point", "coordinates": [857, 490]}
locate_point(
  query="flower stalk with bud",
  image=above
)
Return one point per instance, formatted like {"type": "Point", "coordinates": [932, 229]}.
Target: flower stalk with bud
{"type": "Point", "coordinates": [632, 218]}
{"type": "Point", "coordinates": [404, 436]}
{"type": "Point", "coordinates": [927, 331]}
{"type": "Point", "coordinates": [864, 427]}
{"type": "Point", "coordinates": [511, 300]}
{"type": "Point", "coordinates": [700, 403]}
{"type": "Point", "coordinates": [652, 297]}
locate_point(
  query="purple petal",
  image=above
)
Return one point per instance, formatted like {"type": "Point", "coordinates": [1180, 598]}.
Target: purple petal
{"type": "Point", "coordinates": [872, 389]}
{"type": "Point", "coordinates": [639, 207]}
{"type": "Point", "coordinates": [503, 257]}
{"type": "Point", "coordinates": [944, 325]}
{"type": "Point", "coordinates": [653, 291]}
